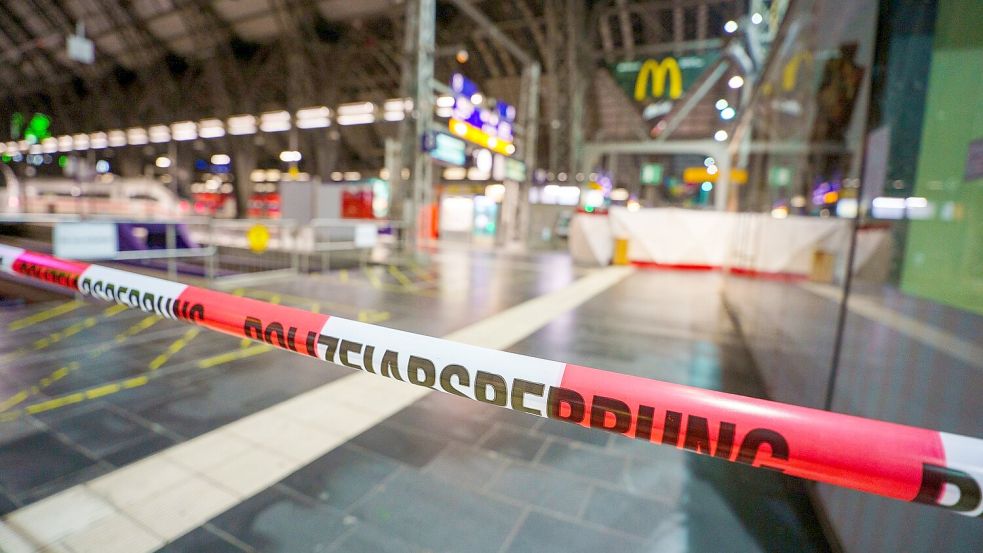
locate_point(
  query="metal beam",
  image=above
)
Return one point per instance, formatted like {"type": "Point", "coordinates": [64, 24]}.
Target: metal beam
{"type": "Point", "coordinates": [482, 20]}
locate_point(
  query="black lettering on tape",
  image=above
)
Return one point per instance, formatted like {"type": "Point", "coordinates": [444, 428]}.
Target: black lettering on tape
{"type": "Point", "coordinates": [483, 381]}
{"type": "Point", "coordinates": [275, 329]}
{"type": "Point", "coordinates": [725, 440]}
{"type": "Point", "coordinates": [697, 436]}
{"type": "Point", "coordinates": [346, 348]}
{"type": "Point", "coordinates": [252, 328]}
{"type": "Point", "coordinates": [367, 355]}
{"type": "Point", "coordinates": [390, 365]}
{"type": "Point", "coordinates": [934, 479]}
{"type": "Point", "coordinates": [670, 428]}
{"type": "Point", "coordinates": [420, 371]}
{"type": "Point", "coordinates": [197, 313]}
{"type": "Point", "coordinates": [753, 442]}
{"type": "Point", "coordinates": [519, 390]}
{"type": "Point", "coordinates": [330, 344]}
{"type": "Point", "coordinates": [565, 404]}
{"type": "Point", "coordinates": [620, 414]}
{"type": "Point", "coordinates": [463, 379]}
{"type": "Point", "coordinates": [312, 343]}
{"type": "Point", "coordinates": [291, 336]}
{"type": "Point", "coordinates": [147, 304]}
{"type": "Point", "coordinates": [643, 426]}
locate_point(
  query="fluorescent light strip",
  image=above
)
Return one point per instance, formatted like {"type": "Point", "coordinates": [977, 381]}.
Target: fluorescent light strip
{"type": "Point", "coordinates": [160, 133]}
{"type": "Point", "coordinates": [116, 138]}
{"type": "Point", "coordinates": [64, 143]}
{"type": "Point", "coordinates": [356, 108]}
{"type": "Point", "coordinates": [211, 128]}
{"type": "Point", "coordinates": [184, 130]}
{"type": "Point", "coordinates": [241, 124]}
{"type": "Point", "coordinates": [274, 121]}
{"type": "Point", "coordinates": [358, 119]}
{"type": "Point", "coordinates": [136, 136]}
{"type": "Point", "coordinates": [98, 140]}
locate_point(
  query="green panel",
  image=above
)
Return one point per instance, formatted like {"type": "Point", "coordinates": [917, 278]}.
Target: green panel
{"type": "Point", "coordinates": [651, 173]}
{"type": "Point", "coordinates": [655, 79]}
{"type": "Point", "coordinates": [944, 256]}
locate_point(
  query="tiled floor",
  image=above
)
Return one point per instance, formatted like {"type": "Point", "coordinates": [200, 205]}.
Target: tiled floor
{"type": "Point", "coordinates": [443, 474]}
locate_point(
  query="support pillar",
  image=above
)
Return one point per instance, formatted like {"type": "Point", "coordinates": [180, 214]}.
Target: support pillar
{"type": "Point", "coordinates": [243, 163]}
{"type": "Point", "coordinates": [414, 181]}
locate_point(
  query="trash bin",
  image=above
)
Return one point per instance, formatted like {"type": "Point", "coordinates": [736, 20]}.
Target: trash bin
{"type": "Point", "coordinates": [620, 256]}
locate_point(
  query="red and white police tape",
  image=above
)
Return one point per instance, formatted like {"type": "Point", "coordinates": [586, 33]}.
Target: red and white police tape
{"type": "Point", "coordinates": [903, 462]}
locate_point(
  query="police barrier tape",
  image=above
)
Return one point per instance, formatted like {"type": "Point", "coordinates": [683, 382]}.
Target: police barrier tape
{"type": "Point", "coordinates": [902, 462]}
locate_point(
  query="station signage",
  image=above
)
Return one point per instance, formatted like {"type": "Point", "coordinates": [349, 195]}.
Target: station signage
{"type": "Point", "coordinates": [446, 148]}
{"type": "Point", "coordinates": [656, 83]}
{"type": "Point", "coordinates": [481, 120]}
{"type": "Point", "coordinates": [651, 173]}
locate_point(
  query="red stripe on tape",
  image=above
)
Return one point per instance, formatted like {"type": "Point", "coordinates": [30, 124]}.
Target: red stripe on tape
{"type": "Point", "coordinates": [280, 326]}
{"type": "Point", "coordinates": [50, 269]}
{"type": "Point", "coordinates": [868, 455]}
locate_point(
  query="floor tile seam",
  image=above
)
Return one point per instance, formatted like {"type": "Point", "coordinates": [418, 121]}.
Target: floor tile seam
{"type": "Point", "coordinates": [597, 527]}
{"type": "Point", "coordinates": [226, 536]}
{"type": "Point", "coordinates": [514, 531]}
{"type": "Point", "coordinates": [64, 542]}
{"type": "Point", "coordinates": [582, 508]}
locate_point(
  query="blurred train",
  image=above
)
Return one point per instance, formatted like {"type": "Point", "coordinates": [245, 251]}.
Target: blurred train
{"type": "Point", "coordinates": [109, 195]}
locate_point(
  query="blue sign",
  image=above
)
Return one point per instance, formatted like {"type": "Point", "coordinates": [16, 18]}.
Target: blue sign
{"type": "Point", "coordinates": [493, 117]}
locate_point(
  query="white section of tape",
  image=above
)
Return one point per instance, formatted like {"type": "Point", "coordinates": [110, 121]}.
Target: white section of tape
{"type": "Point", "coordinates": [443, 353]}
{"type": "Point", "coordinates": [8, 254]}
{"type": "Point", "coordinates": [149, 294]}
{"type": "Point", "coordinates": [964, 454]}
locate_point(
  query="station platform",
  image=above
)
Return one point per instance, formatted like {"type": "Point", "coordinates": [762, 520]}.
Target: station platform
{"type": "Point", "coordinates": [98, 400]}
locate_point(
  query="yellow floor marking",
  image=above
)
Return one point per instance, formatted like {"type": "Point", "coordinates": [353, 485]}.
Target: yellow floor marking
{"type": "Point", "coordinates": [343, 275]}
{"type": "Point", "coordinates": [373, 316]}
{"type": "Point", "coordinates": [36, 318]}
{"type": "Point", "coordinates": [140, 326]}
{"type": "Point", "coordinates": [421, 272]}
{"type": "Point", "coordinates": [234, 355]}
{"type": "Point", "coordinates": [176, 346]}
{"type": "Point", "coordinates": [373, 278]}
{"type": "Point", "coordinates": [14, 400]}
{"type": "Point", "coordinates": [401, 277]}
{"type": "Point", "coordinates": [77, 397]}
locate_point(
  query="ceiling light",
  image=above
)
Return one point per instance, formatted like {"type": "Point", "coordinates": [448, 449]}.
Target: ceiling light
{"type": "Point", "coordinates": [241, 124]}
{"type": "Point", "coordinates": [184, 130]}
{"type": "Point", "coordinates": [136, 136]}
{"type": "Point", "coordinates": [274, 121]}
{"type": "Point", "coordinates": [159, 133]}
{"type": "Point", "coordinates": [211, 128]}
{"type": "Point", "coordinates": [356, 108]}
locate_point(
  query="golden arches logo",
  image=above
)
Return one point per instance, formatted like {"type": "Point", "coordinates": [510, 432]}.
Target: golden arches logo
{"type": "Point", "coordinates": [658, 72]}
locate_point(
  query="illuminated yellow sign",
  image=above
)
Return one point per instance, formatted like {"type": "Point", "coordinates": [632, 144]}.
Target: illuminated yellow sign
{"type": "Point", "coordinates": [258, 238]}
{"type": "Point", "coordinates": [657, 72]}
{"type": "Point", "coordinates": [477, 136]}
{"type": "Point", "coordinates": [702, 174]}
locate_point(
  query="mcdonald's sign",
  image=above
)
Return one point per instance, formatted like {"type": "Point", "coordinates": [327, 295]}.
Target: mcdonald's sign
{"type": "Point", "coordinates": [656, 73]}
{"type": "Point", "coordinates": [664, 79]}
